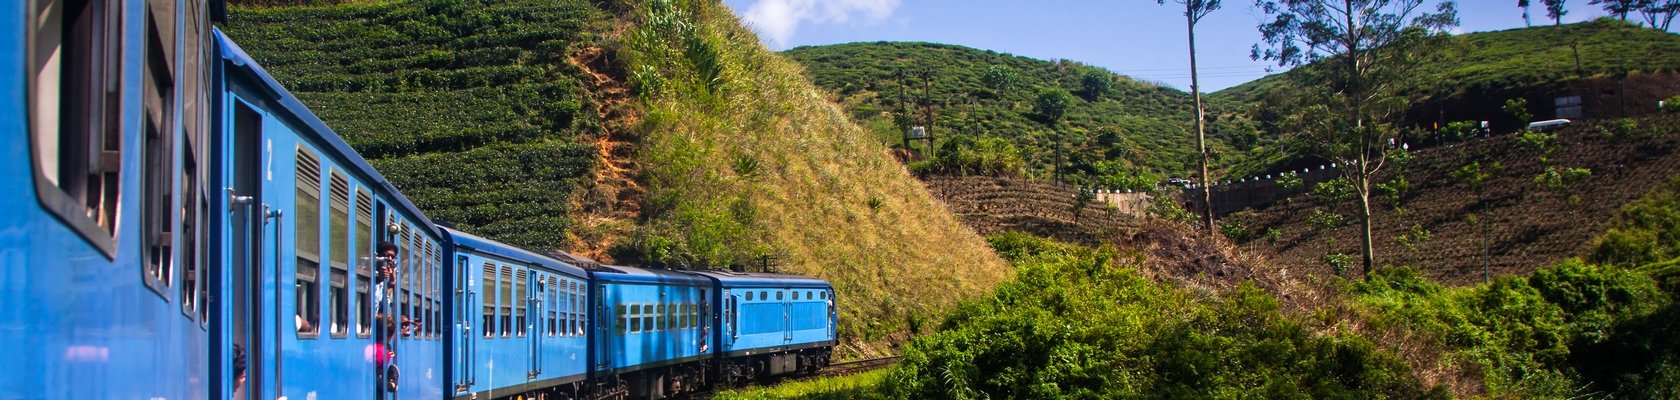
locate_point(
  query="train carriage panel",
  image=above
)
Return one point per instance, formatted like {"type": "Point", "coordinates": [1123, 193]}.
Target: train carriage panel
{"type": "Point", "coordinates": [104, 251]}
{"type": "Point", "coordinates": [649, 318]}
{"type": "Point", "coordinates": [305, 215]}
{"type": "Point", "coordinates": [515, 320]}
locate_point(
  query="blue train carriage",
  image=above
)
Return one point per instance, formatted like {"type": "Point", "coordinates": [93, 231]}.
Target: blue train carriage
{"type": "Point", "coordinates": [104, 254]}
{"type": "Point", "coordinates": [519, 326]}
{"type": "Point", "coordinates": [302, 217]}
{"type": "Point", "coordinates": [651, 332]}
{"type": "Point", "coordinates": [772, 324]}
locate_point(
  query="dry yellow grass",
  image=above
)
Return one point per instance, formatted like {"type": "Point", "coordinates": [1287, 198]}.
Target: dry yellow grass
{"type": "Point", "coordinates": [744, 157]}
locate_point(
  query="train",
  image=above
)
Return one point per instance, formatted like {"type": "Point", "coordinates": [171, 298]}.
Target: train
{"type": "Point", "coordinates": [178, 225]}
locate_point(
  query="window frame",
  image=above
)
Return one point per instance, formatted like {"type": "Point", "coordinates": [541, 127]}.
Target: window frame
{"type": "Point", "coordinates": [363, 243]}
{"type": "Point", "coordinates": [489, 290]}
{"type": "Point", "coordinates": [309, 310]}
{"type": "Point", "coordinates": [102, 147]}
{"type": "Point", "coordinates": [339, 252]}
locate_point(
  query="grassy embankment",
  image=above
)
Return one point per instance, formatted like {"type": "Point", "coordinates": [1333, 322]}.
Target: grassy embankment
{"type": "Point", "coordinates": [744, 159]}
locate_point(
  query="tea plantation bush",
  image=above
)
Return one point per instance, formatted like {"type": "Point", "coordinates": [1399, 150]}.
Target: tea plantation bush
{"type": "Point", "coordinates": [1081, 323]}
{"type": "Point", "coordinates": [1569, 330]}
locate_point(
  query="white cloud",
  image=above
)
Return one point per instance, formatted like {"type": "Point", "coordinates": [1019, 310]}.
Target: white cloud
{"type": "Point", "coordinates": [778, 20]}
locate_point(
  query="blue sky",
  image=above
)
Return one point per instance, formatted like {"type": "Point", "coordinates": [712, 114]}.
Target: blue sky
{"type": "Point", "coordinates": [1137, 38]}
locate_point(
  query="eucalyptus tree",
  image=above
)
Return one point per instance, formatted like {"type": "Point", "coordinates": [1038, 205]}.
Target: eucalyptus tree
{"type": "Point", "coordinates": [1194, 10]}
{"type": "Point", "coordinates": [1353, 55]}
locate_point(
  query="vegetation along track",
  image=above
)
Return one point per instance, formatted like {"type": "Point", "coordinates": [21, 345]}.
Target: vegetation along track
{"type": "Point", "coordinates": [833, 370]}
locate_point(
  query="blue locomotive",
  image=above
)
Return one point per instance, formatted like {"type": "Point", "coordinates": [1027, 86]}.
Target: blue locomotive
{"type": "Point", "coordinates": [177, 225]}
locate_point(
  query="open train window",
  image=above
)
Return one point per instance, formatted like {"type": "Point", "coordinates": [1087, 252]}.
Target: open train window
{"type": "Point", "coordinates": [307, 217]}
{"type": "Point", "coordinates": [75, 65]}
{"type": "Point", "coordinates": [489, 290]}
{"type": "Point", "coordinates": [520, 300]}
{"type": "Point", "coordinates": [423, 289]}
{"type": "Point", "coordinates": [553, 305]}
{"type": "Point", "coordinates": [577, 308]}
{"type": "Point", "coordinates": [507, 301]}
{"type": "Point", "coordinates": [405, 280]}
{"type": "Point", "coordinates": [195, 203]}
{"type": "Point", "coordinates": [364, 262]}
{"type": "Point", "coordinates": [158, 141]}
{"type": "Point", "coordinates": [338, 232]}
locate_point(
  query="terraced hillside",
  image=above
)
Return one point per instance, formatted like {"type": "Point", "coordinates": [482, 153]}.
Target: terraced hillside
{"type": "Point", "coordinates": [1168, 251]}
{"type": "Point", "coordinates": [1129, 127]}
{"type": "Point", "coordinates": [469, 107]}
{"type": "Point", "coordinates": [1529, 226]}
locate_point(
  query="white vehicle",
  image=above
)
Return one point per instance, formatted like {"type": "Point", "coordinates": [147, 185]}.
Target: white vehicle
{"type": "Point", "coordinates": [1547, 125]}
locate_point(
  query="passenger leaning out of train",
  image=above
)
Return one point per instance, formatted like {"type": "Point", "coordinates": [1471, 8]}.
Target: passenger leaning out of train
{"type": "Point", "coordinates": [238, 371]}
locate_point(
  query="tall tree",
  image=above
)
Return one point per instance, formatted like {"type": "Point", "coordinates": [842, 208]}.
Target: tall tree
{"type": "Point", "coordinates": [1051, 104]}
{"type": "Point", "coordinates": [1194, 10]}
{"type": "Point", "coordinates": [1347, 102]}
{"type": "Point", "coordinates": [1660, 13]}
{"type": "Point", "coordinates": [1619, 8]}
{"type": "Point", "coordinates": [1523, 4]}
{"type": "Point", "coordinates": [1555, 11]}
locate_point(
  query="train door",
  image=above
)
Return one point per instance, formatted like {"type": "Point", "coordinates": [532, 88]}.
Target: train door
{"type": "Point", "coordinates": [246, 221]}
{"type": "Point", "coordinates": [787, 315]}
{"type": "Point", "coordinates": [464, 292]}
{"type": "Point", "coordinates": [535, 305]}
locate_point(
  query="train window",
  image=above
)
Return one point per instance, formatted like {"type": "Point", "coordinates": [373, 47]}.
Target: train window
{"type": "Point", "coordinates": [519, 304]}
{"type": "Point", "coordinates": [578, 306]}
{"type": "Point", "coordinates": [553, 306]}
{"type": "Point", "coordinates": [158, 170]}
{"type": "Point", "coordinates": [194, 208]}
{"type": "Point", "coordinates": [647, 317]}
{"type": "Point", "coordinates": [762, 295]}
{"type": "Point", "coordinates": [778, 295]}
{"type": "Point", "coordinates": [749, 296]}
{"type": "Point", "coordinates": [664, 317]}
{"type": "Point", "coordinates": [489, 290]}
{"type": "Point", "coordinates": [635, 318]}
{"type": "Point", "coordinates": [338, 230]}
{"type": "Point", "coordinates": [507, 301]}
{"type": "Point", "coordinates": [428, 293]}
{"type": "Point", "coordinates": [75, 63]}
{"type": "Point", "coordinates": [307, 219]}
{"type": "Point", "coordinates": [619, 316]}
{"type": "Point", "coordinates": [195, 205]}
{"type": "Point", "coordinates": [405, 278]}
{"type": "Point", "coordinates": [364, 262]}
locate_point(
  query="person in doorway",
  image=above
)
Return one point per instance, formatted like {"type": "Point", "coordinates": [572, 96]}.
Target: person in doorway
{"type": "Point", "coordinates": [238, 371]}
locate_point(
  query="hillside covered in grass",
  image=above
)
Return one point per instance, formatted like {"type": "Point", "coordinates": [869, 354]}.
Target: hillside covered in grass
{"type": "Point", "coordinates": [744, 158]}
{"type": "Point", "coordinates": [645, 133]}
{"type": "Point", "coordinates": [1128, 128]}
{"type": "Point", "coordinates": [1491, 62]}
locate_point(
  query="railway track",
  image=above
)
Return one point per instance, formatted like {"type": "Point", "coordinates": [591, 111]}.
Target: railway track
{"type": "Point", "coordinates": [856, 366]}
{"type": "Point", "coordinates": [833, 370]}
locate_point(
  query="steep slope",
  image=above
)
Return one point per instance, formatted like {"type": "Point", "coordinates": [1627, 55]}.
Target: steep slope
{"type": "Point", "coordinates": [469, 107]}
{"type": "Point", "coordinates": [1528, 225]}
{"type": "Point", "coordinates": [746, 161]}
{"type": "Point", "coordinates": [1133, 127]}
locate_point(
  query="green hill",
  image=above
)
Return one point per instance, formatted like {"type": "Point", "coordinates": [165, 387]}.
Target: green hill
{"type": "Point", "coordinates": [656, 132]}
{"type": "Point", "coordinates": [1491, 62]}
{"type": "Point", "coordinates": [1134, 128]}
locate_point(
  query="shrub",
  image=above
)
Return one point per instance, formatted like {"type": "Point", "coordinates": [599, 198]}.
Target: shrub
{"type": "Point", "coordinates": [1079, 322]}
{"type": "Point", "coordinates": [1672, 104]}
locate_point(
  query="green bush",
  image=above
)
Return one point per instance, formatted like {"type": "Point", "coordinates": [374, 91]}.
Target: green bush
{"type": "Point", "coordinates": [1079, 322]}
{"type": "Point", "coordinates": [1536, 336]}
{"type": "Point", "coordinates": [1672, 104]}
{"type": "Point", "coordinates": [964, 155]}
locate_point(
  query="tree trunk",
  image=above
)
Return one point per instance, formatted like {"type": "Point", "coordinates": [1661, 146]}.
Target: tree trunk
{"type": "Point", "coordinates": [1365, 219]}
{"type": "Point", "coordinates": [1201, 126]}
